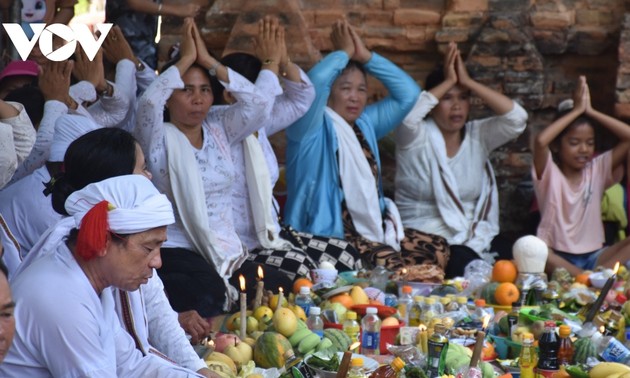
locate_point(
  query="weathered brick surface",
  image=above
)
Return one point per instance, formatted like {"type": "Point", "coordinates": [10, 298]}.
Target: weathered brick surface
{"type": "Point", "coordinates": [531, 50]}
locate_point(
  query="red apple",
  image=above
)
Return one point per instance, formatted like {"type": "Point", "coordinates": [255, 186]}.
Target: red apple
{"type": "Point", "coordinates": [222, 340]}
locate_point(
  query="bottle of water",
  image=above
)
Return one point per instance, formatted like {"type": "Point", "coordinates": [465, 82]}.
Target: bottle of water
{"type": "Point", "coordinates": [371, 332]}
{"type": "Point", "coordinates": [303, 299]}
{"type": "Point", "coordinates": [315, 322]}
{"type": "Point", "coordinates": [404, 304]}
{"type": "Point", "coordinates": [380, 275]}
{"type": "Point", "coordinates": [610, 349]}
{"type": "Point", "coordinates": [351, 327]}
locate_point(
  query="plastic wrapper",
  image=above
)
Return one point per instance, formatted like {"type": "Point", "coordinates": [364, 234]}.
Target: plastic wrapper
{"type": "Point", "coordinates": [408, 353]}
{"type": "Point", "coordinates": [478, 273]}
{"type": "Point", "coordinates": [532, 287]}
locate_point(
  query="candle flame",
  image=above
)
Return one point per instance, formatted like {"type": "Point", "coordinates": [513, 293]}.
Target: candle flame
{"type": "Point", "coordinates": [260, 272]}
{"type": "Point", "coordinates": [241, 280]}
{"type": "Point", "coordinates": [486, 320]}
{"type": "Point", "coordinates": [422, 328]}
{"type": "Point", "coordinates": [616, 268]}
{"type": "Point", "coordinates": [602, 329]}
{"type": "Point", "coordinates": [281, 290]}
{"type": "Point", "coordinates": [404, 270]}
{"type": "Point", "coordinates": [209, 344]}
{"type": "Point", "coordinates": [354, 345]}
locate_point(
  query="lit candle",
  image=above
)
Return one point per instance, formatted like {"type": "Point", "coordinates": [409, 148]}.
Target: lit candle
{"type": "Point", "coordinates": [423, 339]}
{"type": "Point", "coordinates": [260, 285]}
{"type": "Point", "coordinates": [354, 346]}
{"type": "Point", "coordinates": [481, 336]}
{"type": "Point", "coordinates": [280, 297]}
{"type": "Point", "coordinates": [243, 334]}
{"type": "Point", "coordinates": [590, 315]}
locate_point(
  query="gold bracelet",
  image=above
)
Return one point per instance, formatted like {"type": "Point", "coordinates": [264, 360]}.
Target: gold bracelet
{"type": "Point", "coordinates": [267, 62]}
{"type": "Point", "coordinates": [160, 9]}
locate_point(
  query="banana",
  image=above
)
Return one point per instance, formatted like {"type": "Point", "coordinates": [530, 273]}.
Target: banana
{"type": "Point", "coordinates": [607, 369]}
{"type": "Point", "coordinates": [324, 344]}
{"type": "Point", "coordinates": [298, 335]}
{"type": "Point", "coordinates": [308, 343]}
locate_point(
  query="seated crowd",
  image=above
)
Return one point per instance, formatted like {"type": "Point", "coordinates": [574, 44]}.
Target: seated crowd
{"type": "Point", "coordinates": [137, 199]}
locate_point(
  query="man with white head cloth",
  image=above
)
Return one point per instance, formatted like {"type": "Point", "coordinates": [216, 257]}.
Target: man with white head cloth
{"type": "Point", "coordinates": [66, 322]}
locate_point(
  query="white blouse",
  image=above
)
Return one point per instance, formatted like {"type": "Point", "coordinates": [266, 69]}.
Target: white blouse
{"type": "Point", "coordinates": [223, 127]}
{"type": "Point", "coordinates": [17, 136]}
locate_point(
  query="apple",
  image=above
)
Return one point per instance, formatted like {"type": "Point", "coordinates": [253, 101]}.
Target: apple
{"type": "Point", "coordinates": [222, 340]}
{"type": "Point", "coordinates": [247, 352]}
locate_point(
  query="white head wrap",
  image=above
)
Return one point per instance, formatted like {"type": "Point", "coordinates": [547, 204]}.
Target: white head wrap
{"type": "Point", "coordinates": [68, 128]}
{"type": "Point", "coordinates": [137, 207]}
{"type": "Point", "coordinates": [137, 204]}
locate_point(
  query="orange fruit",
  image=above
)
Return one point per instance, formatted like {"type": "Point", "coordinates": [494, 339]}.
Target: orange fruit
{"type": "Point", "coordinates": [345, 299]}
{"type": "Point", "coordinates": [504, 271]}
{"type": "Point", "coordinates": [302, 281]}
{"type": "Point", "coordinates": [583, 278]}
{"type": "Point", "coordinates": [488, 351]}
{"type": "Point", "coordinates": [506, 294]}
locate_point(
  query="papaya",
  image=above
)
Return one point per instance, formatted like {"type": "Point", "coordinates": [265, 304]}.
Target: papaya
{"type": "Point", "coordinates": [269, 350]}
{"type": "Point", "coordinates": [488, 292]}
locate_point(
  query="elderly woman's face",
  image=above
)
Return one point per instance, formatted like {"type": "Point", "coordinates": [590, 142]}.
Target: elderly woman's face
{"type": "Point", "coordinates": [7, 320]}
{"type": "Point", "coordinates": [348, 95]}
{"type": "Point", "coordinates": [134, 259]}
{"type": "Point", "coordinates": [189, 106]}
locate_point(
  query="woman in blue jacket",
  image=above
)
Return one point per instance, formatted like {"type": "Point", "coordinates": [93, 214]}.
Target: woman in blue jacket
{"type": "Point", "coordinates": [333, 165]}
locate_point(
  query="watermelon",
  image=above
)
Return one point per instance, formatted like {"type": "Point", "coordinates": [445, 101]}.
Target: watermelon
{"type": "Point", "coordinates": [269, 350]}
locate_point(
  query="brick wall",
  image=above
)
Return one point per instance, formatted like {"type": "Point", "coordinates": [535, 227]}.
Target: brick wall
{"type": "Point", "coordinates": [531, 50]}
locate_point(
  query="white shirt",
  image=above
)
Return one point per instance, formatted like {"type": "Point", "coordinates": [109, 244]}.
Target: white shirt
{"type": "Point", "coordinates": [65, 329]}
{"type": "Point", "coordinates": [17, 136]}
{"type": "Point", "coordinates": [214, 158]}
{"type": "Point", "coordinates": [155, 324]}
{"type": "Point", "coordinates": [27, 211]}
{"type": "Point", "coordinates": [288, 107]}
{"type": "Point", "coordinates": [414, 192]}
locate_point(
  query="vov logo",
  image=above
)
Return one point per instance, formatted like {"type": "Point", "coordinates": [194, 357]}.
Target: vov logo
{"type": "Point", "coordinates": [44, 34]}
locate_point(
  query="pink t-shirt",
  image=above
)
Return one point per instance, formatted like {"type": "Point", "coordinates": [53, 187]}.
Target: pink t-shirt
{"type": "Point", "coordinates": [570, 216]}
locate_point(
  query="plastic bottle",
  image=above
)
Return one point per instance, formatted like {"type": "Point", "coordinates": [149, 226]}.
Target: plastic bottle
{"type": "Point", "coordinates": [356, 368]}
{"type": "Point", "coordinates": [303, 299]}
{"type": "Point", "coordinates": [444, 302]}
{"type": "Point", "coordinates": [618, 302]}
{"type": "Point", "coordinates": [389, 371]}
{"type": "Point", "coordinates": [351, 327]}
{"type": "Point", "coordinates": [404, 304]}
{"type": "Point", "coordinates": [429, 311]}
{"type": "Point", "coordinates": [528, 357]}
{"type": "Point", "coordinates": [565, 350]}
{"type": "Point", "coordinates": [611, 327]}
{"type": "Point", "coordinates": [380, 275]}
{"type": "Point", "coordinates": [416, 311]}
{"type": "Point", "coordinates": [610, 349]}
{"type": "Point", "coordinates": [548, 344]}
{"type": "Point", "coordinates": [315, 322]}
{"type": "Point", "coordinates": [436, 356]}
{"type": "Point", "coordinates": [512, 318]}
{"type": "Point", "coordinates": [370, 332]}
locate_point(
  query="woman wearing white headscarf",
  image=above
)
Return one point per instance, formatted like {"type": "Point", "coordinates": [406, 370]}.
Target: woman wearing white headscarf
{"type": "Point", "coordinates": [66, 322]}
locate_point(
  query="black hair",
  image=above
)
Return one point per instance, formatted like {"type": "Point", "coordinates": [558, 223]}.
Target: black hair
{"type": "Point", "coordinates": [582, 119]}
{"type": "Point", "coordinates": [213, 80]}
{"type": "Point", "coordinates": [93, 157]}
{"type": "Point", "coordinates": [33, 100]}
{"type": "Point", "coordinates": [435, 78]}
{"type": "Point", "coordinates": [4, 269]}
{"type": "Point", "coordinates": [245, 64]}
{"type": "Point", "coordinates": [354, 65]}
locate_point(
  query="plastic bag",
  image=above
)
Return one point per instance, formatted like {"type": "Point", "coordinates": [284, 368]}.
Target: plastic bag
{"type": "Point", "coordinates": [478, 273]}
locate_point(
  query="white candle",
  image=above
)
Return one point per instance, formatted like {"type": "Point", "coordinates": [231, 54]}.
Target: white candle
{"type": "Point", "coordinates": [260, 285]}
{"type": "Point", "coordinates": [243, 330]}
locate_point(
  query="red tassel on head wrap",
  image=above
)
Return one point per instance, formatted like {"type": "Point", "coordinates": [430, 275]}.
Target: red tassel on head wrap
{"type": "Point", "coordinates": [92, 236]}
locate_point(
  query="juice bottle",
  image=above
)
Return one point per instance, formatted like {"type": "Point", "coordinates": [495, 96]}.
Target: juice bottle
{"type": "Point", "coordinates": [356, 368]}
{"type": "Point", "coordinates": [389, 371]}
{"type": "Point", "coordinates": [565, 350]}
{"type": "Point", "coordinates": [416, 311]}
{"type": "Point", "coordinates": [528, 358]}
{"type": "Point", "coordinates": [405, 303]}
{"type": "Point", "coordinates": [548, 344]}
{"type": "Point", "coordinates": [351, 327]}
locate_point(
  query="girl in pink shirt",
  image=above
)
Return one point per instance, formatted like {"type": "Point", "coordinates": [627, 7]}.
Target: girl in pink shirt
{"type": "Point", "coordinates": [569, 184]}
